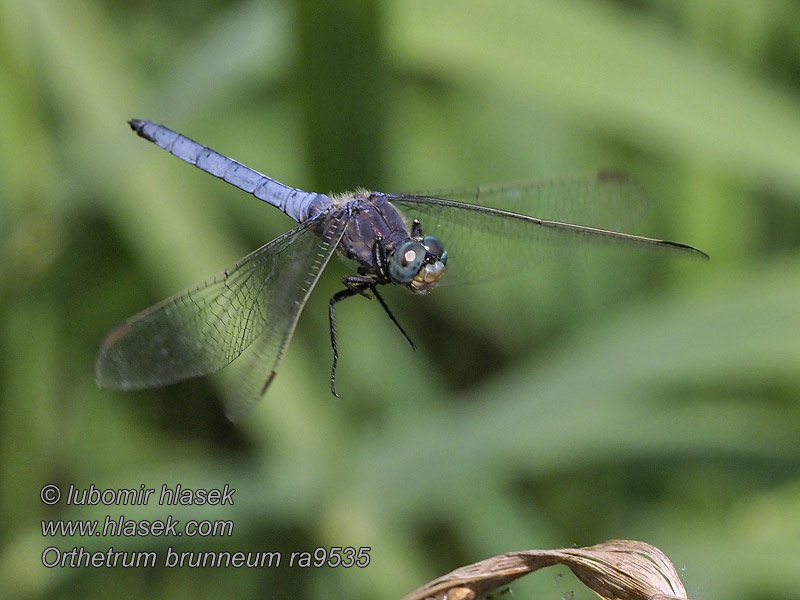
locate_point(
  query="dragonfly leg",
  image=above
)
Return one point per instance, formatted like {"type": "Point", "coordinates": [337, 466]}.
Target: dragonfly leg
{"type": "Point", "coordinates": [416, 230]}
{"type": "Point", "coordinates": [337, 297]}
{"type": "Point", "coordinates": [356, 285]}
{"type": "Point", "coordinates": [379, 255]}
{"type": "Point", "coordinates": [391, 316]}
{"type": "Point", "coordinates": [359, 285]}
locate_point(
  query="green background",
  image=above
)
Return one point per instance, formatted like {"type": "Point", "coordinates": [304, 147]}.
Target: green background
{"type": "Point", "coordinates": [603, 396]}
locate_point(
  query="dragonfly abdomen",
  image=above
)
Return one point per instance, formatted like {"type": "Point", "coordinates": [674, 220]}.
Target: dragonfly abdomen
{"type": "Point", "coordinates": [299, 205]}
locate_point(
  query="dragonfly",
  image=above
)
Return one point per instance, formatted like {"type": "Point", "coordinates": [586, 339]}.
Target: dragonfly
{"type": "Point", "coordinates": [415, 241]}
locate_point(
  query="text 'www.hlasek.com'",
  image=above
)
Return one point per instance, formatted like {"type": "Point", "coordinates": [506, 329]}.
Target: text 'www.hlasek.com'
{"type": "Point", "coordinates": [120, 526]}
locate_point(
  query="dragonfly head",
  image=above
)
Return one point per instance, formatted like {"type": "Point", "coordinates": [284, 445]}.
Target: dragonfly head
{"type": "Point", "coordinates": [418, 265]}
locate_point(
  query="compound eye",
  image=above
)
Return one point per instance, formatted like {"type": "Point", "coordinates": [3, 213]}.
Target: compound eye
{"type": "Point", "coordinates": [406, 262]}
{"type": "Point", "coordinates": [435, 246]}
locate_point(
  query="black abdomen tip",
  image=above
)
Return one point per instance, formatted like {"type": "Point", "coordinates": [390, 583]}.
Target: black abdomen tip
{"type": "Point", "coordinates": [136, 125]}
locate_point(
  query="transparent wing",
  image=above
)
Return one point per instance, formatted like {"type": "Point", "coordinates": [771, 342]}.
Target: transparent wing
{"type": "Point", "coordinates": [484, 242]}
{"type": "Point", "coordinates": [605, 199]}
{"type": "Point", "coordinates": [205, 328]}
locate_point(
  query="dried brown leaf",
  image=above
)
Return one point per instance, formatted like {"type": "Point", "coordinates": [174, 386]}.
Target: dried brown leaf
{"type": "Point", "coordinates": [614, 570]}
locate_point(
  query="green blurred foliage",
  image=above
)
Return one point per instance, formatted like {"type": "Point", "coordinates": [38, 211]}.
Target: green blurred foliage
{"type": "Point", "coordinates": [602, 396]}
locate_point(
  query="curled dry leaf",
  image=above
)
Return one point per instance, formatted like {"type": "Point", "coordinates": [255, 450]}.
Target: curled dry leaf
{"type": "Point", "coordinates": [614, 570]}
